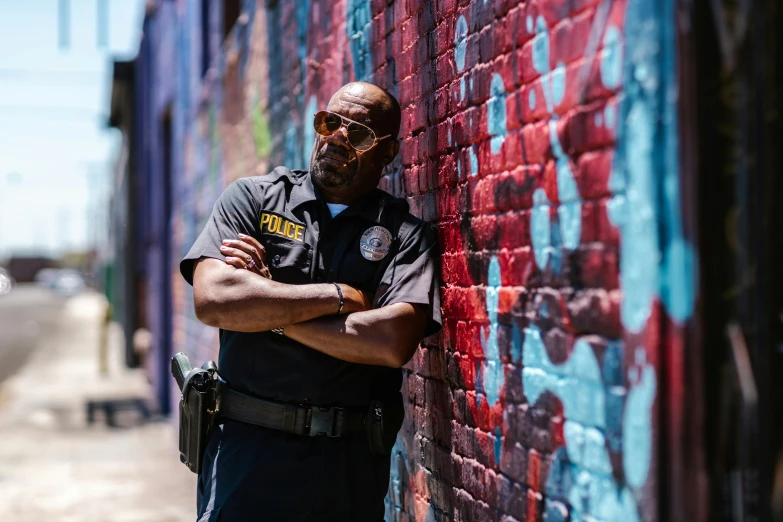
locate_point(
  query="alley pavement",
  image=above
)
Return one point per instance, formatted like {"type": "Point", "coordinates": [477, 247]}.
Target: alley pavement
{"type": "Point", "coordinates": [54, 465]}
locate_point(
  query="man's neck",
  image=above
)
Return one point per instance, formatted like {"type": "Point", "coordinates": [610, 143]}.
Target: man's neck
{"type": "Point", "coordinates": [338, 196]}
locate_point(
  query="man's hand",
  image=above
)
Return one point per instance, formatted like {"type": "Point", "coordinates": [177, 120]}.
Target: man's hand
{"type": "Point", "coordinates": [246, 253]}
{"type": "Point", "coordinates": [386, 336]}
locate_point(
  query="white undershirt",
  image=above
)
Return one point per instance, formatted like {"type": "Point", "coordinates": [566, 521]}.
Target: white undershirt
{"type": "Point", "coordinates": [336, 208]}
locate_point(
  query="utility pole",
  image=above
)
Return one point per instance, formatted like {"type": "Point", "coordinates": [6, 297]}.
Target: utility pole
{"type": "Point", "coordinates": [102, 24]}
{"type": "Point", "coordinates": [64, 24]}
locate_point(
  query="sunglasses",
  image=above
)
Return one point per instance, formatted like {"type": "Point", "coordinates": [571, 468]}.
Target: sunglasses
{"type": "Point", "coordinates": [360, 136]}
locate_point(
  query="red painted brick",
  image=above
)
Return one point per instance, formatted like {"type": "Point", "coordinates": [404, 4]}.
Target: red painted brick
{"type": "Point", "coordinates": [449, 468]}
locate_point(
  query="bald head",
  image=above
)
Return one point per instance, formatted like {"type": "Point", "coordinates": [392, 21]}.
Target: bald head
{"type": "Point", "coordinates": [340, 171]}
{"type": "Point", "coordinates": [383, 109]}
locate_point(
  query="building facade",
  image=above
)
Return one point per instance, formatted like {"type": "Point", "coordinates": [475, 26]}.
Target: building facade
{"type": "Point", "coordinates": [543, 139]}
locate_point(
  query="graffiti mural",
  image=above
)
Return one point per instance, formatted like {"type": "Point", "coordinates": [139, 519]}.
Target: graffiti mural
{"type": "Point", "coordinates": [540, 140]}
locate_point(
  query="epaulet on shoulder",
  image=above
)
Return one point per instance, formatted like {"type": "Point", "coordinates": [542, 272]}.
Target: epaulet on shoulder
{"type": "Point", "coordinates": [294, 176]}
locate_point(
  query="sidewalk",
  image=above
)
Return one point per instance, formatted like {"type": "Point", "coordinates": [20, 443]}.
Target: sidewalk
{"type": "Point", "coordinates": [56, 467]}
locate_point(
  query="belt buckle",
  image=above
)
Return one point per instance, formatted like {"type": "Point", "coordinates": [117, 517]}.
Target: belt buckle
{"type": "Point", "coordinates": [322, 421]}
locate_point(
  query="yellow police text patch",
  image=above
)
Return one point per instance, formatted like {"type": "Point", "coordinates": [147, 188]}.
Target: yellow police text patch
{"type": "Point", "coordinates": [274, 224]}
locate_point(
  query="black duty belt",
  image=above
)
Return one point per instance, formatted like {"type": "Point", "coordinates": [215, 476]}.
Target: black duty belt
{"type": "Point", "coordinates": [299, 420]}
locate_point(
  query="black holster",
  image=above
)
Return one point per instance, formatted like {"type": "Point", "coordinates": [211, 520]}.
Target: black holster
{"type": "Point", "coordinates": [198, 405]}
{"type": "Point", "coordinates": [383, 421]}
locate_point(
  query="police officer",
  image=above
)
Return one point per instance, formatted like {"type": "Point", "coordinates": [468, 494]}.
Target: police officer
{"type": "Point", "coordinates": [322, 286]}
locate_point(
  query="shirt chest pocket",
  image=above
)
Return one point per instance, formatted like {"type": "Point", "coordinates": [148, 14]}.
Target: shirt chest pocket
{"type": "Point", "coordinates": [288, 260]}
{"type": "Point", "coordinates": [362, 273]}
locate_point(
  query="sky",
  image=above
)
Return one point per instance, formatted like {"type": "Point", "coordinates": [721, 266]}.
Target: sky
{"type": "Point", "coordinates": [56, 152]}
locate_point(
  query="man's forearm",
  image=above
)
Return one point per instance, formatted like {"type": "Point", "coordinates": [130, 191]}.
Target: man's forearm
{"type": "Point", "coordinates": [241, 301]}
{"type": "Point", "coordinates": [386, 336]}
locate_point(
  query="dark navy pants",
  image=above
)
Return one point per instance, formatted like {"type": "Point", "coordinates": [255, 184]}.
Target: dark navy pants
{"type": "Point", "coordinates": [253, 473]}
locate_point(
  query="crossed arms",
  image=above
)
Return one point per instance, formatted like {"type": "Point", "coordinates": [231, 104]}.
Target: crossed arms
{"type": "Point", "coordinates": [238, 295]}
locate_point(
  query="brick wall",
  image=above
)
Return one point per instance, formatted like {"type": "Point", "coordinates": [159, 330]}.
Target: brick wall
{"type": "Point", "coordinates": [540, 138]}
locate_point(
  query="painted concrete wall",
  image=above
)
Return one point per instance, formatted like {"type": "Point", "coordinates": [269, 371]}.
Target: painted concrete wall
{"type": "Point", "coordinates": [540, 137]}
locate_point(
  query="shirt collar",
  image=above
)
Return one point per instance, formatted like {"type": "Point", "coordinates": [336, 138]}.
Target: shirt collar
{"type": "Point", "coordinates": [303, 192]}
{"type": "Point", "coordinates": [370, 207]}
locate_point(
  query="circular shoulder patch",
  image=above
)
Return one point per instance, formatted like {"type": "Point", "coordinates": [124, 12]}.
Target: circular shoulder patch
{"type": "Point", "coordinates": [374, 244]}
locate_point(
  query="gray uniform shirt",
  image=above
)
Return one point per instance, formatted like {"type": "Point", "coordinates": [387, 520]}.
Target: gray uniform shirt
{"type": "Point", "coordinates": [374, 245]}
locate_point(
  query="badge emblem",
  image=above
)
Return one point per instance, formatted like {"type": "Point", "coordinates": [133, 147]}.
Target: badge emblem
{"type": "Point", "coordinates": [374, 244]}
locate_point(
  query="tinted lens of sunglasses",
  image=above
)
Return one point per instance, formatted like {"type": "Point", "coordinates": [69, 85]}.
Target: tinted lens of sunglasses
{"type": "Point", "coordinates": [360, 137]}
{"type": "Point", "coordinates": [326, 123]}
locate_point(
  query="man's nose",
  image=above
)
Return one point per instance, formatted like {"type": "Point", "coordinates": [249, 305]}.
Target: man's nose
{"type": "Point", "coordinates": [340, 137]}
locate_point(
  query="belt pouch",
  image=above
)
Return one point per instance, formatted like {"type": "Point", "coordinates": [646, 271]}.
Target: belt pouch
{"type": "Point", "coordinates": [196, 408]}
{"type": "Point", "coordinates": [383, 421]}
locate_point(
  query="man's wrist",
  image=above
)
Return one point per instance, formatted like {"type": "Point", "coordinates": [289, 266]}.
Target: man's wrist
{"type": "Point", "coordinates": [340, 298]}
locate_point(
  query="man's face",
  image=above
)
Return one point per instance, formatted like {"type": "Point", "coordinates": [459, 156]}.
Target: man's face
{"type": "Point", "coordinates": [335, 165]}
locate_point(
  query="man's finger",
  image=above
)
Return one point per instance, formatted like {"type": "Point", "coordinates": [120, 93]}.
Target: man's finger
{"type": "Point", "coordinates": [235, 252]}
{"type": "Point", "coordinates": [236, 262]}
{"type": "Point", "coordinates": [256, 244]}
{"type": "Point", "coordinates": [241, 246]}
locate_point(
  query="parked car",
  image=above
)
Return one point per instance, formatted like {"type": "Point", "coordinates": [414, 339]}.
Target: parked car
{"type": "Point", "coordinates": [68, 282]}
{"type": "Point", "coordinates": [6, 282]}
{"type": "Point", "coordinates": [46, 276]}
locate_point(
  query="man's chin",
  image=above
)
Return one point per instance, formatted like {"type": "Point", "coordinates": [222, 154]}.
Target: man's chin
{"type": "Point", "coordinates": [332, 178]}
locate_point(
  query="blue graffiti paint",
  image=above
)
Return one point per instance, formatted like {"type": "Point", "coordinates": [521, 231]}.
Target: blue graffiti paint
{"type": "Point", "coordinates": [554, 512]}
{"type": "Point", "coordinates": [529, 24]}
{"type": "Point", "coordinates": [498, 444]}
{"type": "Point", "coordinates": [633, 211]}
{"type": "Point", "coordinates": [492, 376]}
{"type": "Point", "coordinates": [460, 43]}
{"type": "Point", "coordinates": [541, 59]}
{"type": "Point", "coordinates": [637, 431]}
{"type": "Point", "coordinates": [577, 382]}
{"type": "Point", "coordinates": [358, 20]}
{"type": "Point", "coordinates": [679, 273]}
{"type": "Point", "coordinates": [540, 228]}
{"type": "Point", "coordinates": [599, 119]}
{"type": "Point", "coordinates": [496, 113]}
{"type": "Point", "coordinates": [570, 209]}
{"type": "Point", "coordinates": [531, 99]}
{"type": "Point", "coordinates": [679, 270]}
{"type": "Point", "coordinates": [610, 115]}
{"type": "Point", "coordinates": [647, 164]}
{"type": "Point", "coordinates": [585, 476]}
{"type": "Point", "coordinates": [397, 478]}
{"type": "Point", "coordinates": [516, 345]}
{"type": "Point", "coordinates": [309, 131]}
{"type": "Point", "coordinates": [473, 161]}
{"type": "Point", "coordinates": [612, 59]}
{"type": "Point", "coordinates": [558, 83]}
{"type": "Point", "coordinates": [462, 88]}
{"type": "Point", "coordinates": [293, 153]}
{"type": "Point", "coordinates": [556, 252]}
{"type": "Point", "coordinates": [302, 30]}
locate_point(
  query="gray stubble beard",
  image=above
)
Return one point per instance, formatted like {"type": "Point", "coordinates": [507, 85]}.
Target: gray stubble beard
{"type": "Point", "coordinates": [329, 178]}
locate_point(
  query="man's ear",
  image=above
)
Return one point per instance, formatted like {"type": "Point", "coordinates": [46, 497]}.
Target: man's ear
{"type": "Point", "coordinates": [392, 149]}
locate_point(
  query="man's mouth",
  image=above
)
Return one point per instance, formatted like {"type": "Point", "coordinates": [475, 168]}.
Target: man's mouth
{"type": "Point", "coordinates": [335, 159]}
